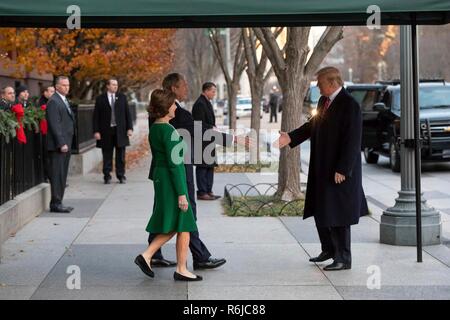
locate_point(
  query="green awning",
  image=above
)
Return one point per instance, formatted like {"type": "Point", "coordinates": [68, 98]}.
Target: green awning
{"type": "Point", "coordinates": [216, 13]}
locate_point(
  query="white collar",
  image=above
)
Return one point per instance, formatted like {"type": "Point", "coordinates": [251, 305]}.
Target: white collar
{"type": "Point", "coordinates": [62, 97]}
{"type": "Point", "coordinates": [334, 95]}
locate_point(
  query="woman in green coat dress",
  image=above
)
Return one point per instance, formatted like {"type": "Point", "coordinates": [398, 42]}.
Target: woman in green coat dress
{"type": "Point", "coordinates": [172, 213]}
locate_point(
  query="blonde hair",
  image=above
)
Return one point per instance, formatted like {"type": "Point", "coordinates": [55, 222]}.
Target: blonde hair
{"type": "Point", "coordinates": [332, 75]}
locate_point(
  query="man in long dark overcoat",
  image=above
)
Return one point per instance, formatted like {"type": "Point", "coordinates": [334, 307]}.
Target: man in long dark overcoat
{"type": "Point", "coordinates": [334, 195]}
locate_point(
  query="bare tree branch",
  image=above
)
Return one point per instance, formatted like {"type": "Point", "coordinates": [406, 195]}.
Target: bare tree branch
{"type": "Point", "coordinates": [323, 46]}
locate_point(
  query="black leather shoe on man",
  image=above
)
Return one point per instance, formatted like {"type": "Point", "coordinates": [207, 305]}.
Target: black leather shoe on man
{"type": "Point", "coordinates": [211, 263]}
{"type": "Point", "coordinates": [122, 180]}
{"type": "Point", "coordinates": [162, 263]}
{"type": "Point", "coordinates": [205, 197]}
{"type": "Point", "coordinates": [60, 209]}
{"type": "Point", "coordinates": [107, 180]}
{"type": "Point", "coordinates": [336, 266]}
{"type": "Point", "coordinates": [214, 196]}
{"type": "Point", "coordinates": [324, 256]}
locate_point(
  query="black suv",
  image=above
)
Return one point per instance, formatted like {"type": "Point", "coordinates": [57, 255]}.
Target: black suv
{"type": "Point", "coordinates": [380, 104]}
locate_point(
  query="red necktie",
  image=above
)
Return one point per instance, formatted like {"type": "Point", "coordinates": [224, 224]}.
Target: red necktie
{"type": "Point", "coordinates": [327, 103]}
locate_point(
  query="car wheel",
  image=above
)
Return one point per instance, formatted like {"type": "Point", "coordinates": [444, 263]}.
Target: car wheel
{"type": "Point", "coordinates": [394, 156]}
{"type": "Point", "coordinates": [370, 156]}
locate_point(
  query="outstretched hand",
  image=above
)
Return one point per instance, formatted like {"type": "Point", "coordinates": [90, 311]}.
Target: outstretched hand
{"type": "Point", "coordinates": [244, 141]}
{"type": "Point", "coordinates": [282, 141]}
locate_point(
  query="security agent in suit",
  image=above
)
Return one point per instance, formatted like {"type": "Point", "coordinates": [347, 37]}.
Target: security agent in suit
{"type": "Point", "coordinates": [183, 120]}
{"type": "Point", "coordinates": [61, 122]}
{"type": "Point", "coordinates": [203, 111]}
{"type": "Point", "coordinates": [113, 126]}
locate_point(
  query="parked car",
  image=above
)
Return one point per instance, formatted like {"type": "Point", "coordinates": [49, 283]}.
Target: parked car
{"type": "Point", "coordinates": [243, 107]}
{"type": "Point", "coordinates": [380, 104]}
{"type": "Point", "coordinates": [311, 99]}
{"type": "Point", "coordinates": [217, 107]}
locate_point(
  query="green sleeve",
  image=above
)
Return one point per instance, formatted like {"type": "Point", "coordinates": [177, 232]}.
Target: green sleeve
{"type": "Point", "coordinates": [175, 161]}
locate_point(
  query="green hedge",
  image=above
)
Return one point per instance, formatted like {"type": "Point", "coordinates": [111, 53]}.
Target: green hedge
{"type": "Point", "coordinates": [9, 124]}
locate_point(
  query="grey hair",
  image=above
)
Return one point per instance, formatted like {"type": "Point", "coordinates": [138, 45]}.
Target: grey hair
{"type": "Point", "coordinates": [59, 78]}
{"type": "Point", "coordinates": [3, 90]}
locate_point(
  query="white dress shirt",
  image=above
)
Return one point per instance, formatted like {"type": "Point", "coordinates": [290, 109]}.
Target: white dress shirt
{"type": "Point", "coordinates": [334, 95]}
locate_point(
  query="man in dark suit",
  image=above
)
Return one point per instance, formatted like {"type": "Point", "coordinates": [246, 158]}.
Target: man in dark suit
{"type": "Point", "coordinates": [184, 123]}
{"type": "Point", "coordinates": [203, 111]}
{"type": "Point", "coordinates": [334, 194]}
{"type": "Point", "coordinates": [113, 126]}
{"type": "Point", "coordinates": [61, 120]}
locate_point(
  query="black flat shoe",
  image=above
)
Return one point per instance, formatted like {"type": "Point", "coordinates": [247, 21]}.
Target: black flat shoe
{"type": "Point", "coordinates": [180, 277]}
{"type": "Point", "coordinates": [211, 263]}
{"type": "Point", "coordinates": [163, 263]}
{"type": "Point", "coordinates": [337, 266]}
{"type": "Point", "coordinates": [324, 256]}
{"type": "Point", "coordinates": [140, 261]}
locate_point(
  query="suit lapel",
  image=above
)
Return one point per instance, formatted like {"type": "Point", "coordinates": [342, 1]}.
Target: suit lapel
{"type": "Point", "coordinates": [337, 99]}
{"type": "Point", "coordinates": [65, 106]}
{"type": "Point", "coordinates": [209, 106]}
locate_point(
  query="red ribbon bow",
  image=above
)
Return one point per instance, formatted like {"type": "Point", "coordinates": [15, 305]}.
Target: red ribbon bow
{"type": "Point", "coordinates": [18, 110]}
{"type": "Point", "coordinates": [43, 123]}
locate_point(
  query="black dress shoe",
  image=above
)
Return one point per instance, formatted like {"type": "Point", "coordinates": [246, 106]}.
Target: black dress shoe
{"type": "Point", "coordinates": [205, 197]}
{"type": "Point", "coordinates": [163, 263]}
{"type": "Point", "coordinates": [214, 196]}
{"type": "Point", "coordinates": [180, 277]}
{"type": "Point", "coordinates": [336, 266]}
{"type": "Point", "coordinates": [60, 209]}
{"type": "Point", "coordinates": [122, 180]}
{"type": "Point", "coordinates": [211, 263]}
{"type": "Point", "coordinates": [107, 180]}
{"type": "Point", "coordinates": [324, 256]}
{"type": "Point", "coordinates": [140, 261]}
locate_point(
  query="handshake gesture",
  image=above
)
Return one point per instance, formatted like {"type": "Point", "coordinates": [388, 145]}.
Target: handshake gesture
{"type": "Point", "coordinates": [244, 140]}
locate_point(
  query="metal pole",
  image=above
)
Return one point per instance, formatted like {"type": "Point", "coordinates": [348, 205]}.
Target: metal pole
{"type": "Point", "coordinates": [417, 144]}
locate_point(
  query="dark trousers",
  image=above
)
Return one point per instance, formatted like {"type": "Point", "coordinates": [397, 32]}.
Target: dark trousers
{"type": "Point", "coordinates": [273, 113]}
{"type": "Point", "coordinates": [205, 179]}
{"type": "Point", "coordinates": [336, 240]}
{"type": "Point", "coordinates": [198, 249]}
{"type": "Point", "coordinates": [58, 170]}
{"type": "Point", "coordinates": [107, 151]}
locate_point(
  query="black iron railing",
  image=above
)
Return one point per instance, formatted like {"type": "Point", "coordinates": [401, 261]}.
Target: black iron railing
{"type": "Point", "coordinates": [21, 165]}
{"type": "Point", "coordinates": [83, 139]}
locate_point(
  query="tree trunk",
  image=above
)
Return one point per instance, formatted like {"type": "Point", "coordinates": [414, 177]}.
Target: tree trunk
{"type": "Point", "coordinates": [255, 122]}
{"type": "Point", "coordinates": [232, 97]}
{"type": "Point", "coordinates": [289, 168]}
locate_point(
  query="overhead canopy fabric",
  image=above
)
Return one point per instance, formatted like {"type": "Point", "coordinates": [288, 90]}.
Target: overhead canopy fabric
{"type": "Point", "coordinates": [226, 13]}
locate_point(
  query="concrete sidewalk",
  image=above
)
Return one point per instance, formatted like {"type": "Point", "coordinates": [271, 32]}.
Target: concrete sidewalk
{"type": "Point", "coordinates": [267, 257]}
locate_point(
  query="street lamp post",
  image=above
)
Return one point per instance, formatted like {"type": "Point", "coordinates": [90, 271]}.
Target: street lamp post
{"type": "Point", "coordinates": [399, 223]}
